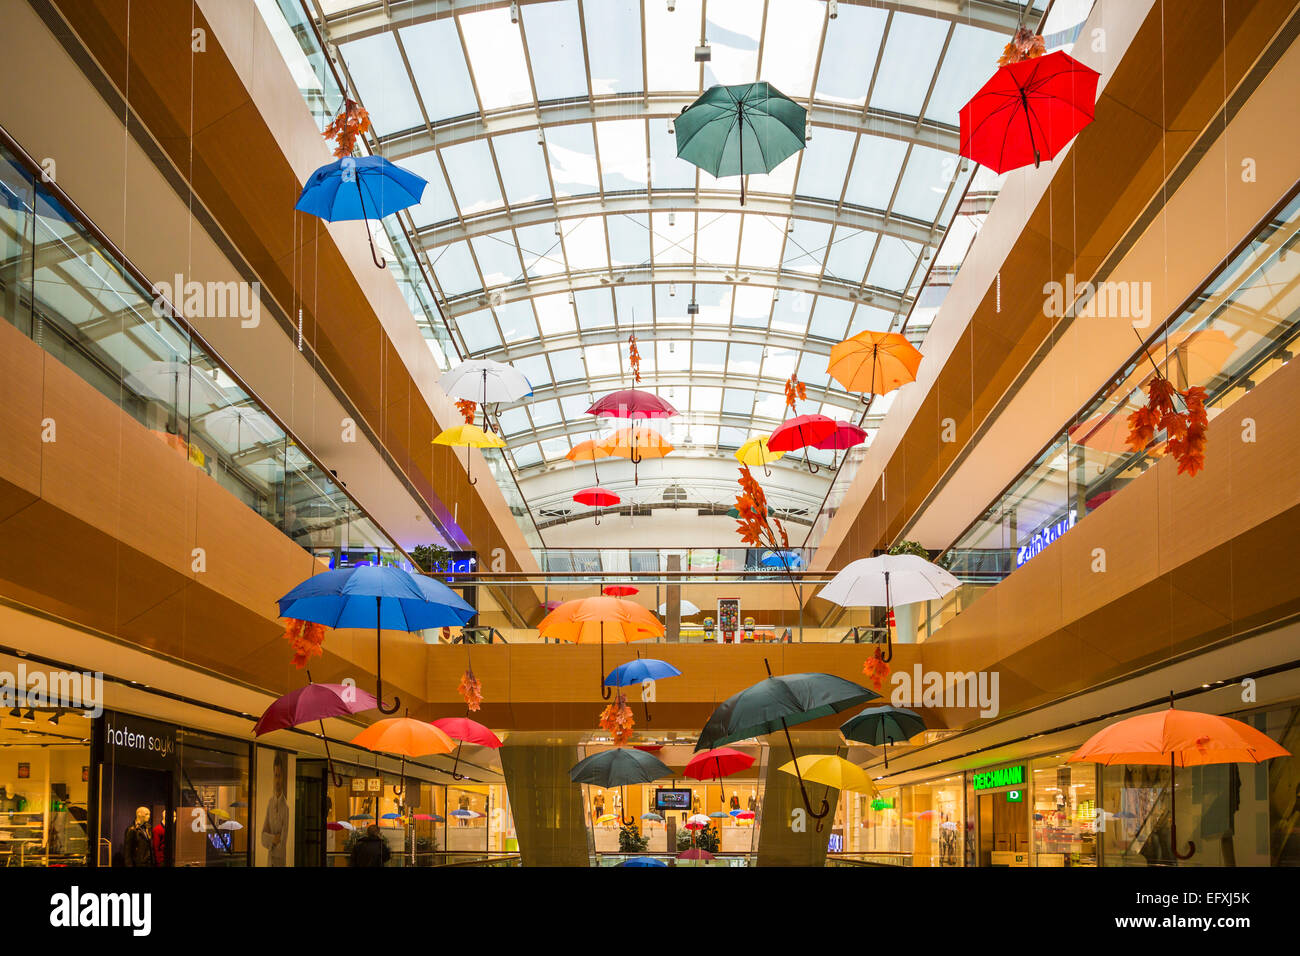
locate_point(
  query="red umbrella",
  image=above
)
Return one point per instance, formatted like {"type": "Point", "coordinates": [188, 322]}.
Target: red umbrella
{"type": "Point", "coordinates": [632, 403]}
{"type": "Point", "coordinates": [463, 730]}
{"type": "Point", "coordinates": [800, 432]}
{"type": "Point", "coordinates": [694, 853]}
{"type": "Point", "coordinates": [621, 590]}
{"type": "Point", "coordinates": [717, 763]}
{"type": "Point", "coordinates": [1028, 111]}
{"type": "Point", "coordinates": [315, 702]}
{"type": "Point", "coordinates": [598, 498]}
{"type": "Point", "coordinates": [846, 435]}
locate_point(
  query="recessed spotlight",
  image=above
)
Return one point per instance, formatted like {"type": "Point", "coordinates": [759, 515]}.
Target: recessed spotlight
{"type": "Point", "coordinates": [514, 12]}
{"type": "Point", "coordinates": [833, 9]}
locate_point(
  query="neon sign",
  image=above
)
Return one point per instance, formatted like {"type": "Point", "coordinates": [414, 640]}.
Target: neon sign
{"type": "Point", "coordinates": [1001, 777]}
{"type": "Point", "coordinates": [1041, 539]}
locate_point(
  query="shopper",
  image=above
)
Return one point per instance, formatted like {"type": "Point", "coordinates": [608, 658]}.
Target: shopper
{"type": "Point", "coordinates": [137, 846]}
{"type": "Point", "coordinates": [371, 849]}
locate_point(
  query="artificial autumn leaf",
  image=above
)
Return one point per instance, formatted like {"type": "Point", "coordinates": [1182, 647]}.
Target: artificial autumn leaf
{"type": "Point", "coordinates": [306, 638]}
{"type": "Point", "coordinates": [617, 719]}
{"type": "Point", "coordinates": [1189, 448]}
{"type": "Point", "coordinates": [876, 669]}
{"type": "Point", "coordinates": [1025, 45]}
{"type": "Point", "coordinates": [1186, 432]}
{"type": "Point", "coordinates": [794, 389]}
{"type": "Point", "coordinates": [467, 409]}
{"type": "Point", "coordinates": [352, 121]}
{"type": "Point", "coordinates": [634, 359]}
{"type": "Point", "coordinates": [470, 689]}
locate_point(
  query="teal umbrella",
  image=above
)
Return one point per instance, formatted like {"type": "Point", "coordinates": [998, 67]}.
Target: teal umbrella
{"type": "Point", "coordinates": [734, 130]}
{"type": "Point", "coordinates": [881, 726]}
{"type": "Point", "coordinates": [618, 768]}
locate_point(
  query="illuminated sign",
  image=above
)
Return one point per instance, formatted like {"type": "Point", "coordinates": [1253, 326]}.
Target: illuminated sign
{"type": "Point", "coordinates": [882, 804]}
{"type": "Point", "coordinates": [999, 778]}
{"type": "Point", "coordinates": [1015, 796]}
{"type": "Point", "coordinates": [1041, 539]}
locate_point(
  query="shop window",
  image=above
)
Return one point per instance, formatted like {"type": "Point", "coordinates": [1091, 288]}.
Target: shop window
{"type": "Point", "coordinates": [211, 827]}
{"type": "Point", "coordinates": [44, 781]}
{"type": "Point", "coordinates": [1064, 813]}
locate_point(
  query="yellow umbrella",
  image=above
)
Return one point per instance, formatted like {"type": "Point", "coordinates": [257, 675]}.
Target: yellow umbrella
{"type": "Point", "coordinates": [755, 452]}
{"type": "Point", "coordinates": [607, 818]}
{"type": "Point", "coordinates": [467, 437]}
{"type": "Point", "coordinates": [832, 771]}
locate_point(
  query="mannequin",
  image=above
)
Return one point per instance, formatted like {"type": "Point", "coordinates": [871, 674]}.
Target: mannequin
{"type": "Point", "coordinates": [753, 802]}
{"type": "Point", "coordinates": [735, 801]}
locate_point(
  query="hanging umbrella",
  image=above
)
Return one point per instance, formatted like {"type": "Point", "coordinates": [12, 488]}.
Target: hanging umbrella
{"type": "Point", "coordinates": [619, 590]}
{"type": "Point", "coordinates": [695, 853]}
{"type": "Point", "coordinates": [484, 381]}
{"type": "Point", "coordinates": [607, 818]}
{"type": "Point", "coordinates": [637, 671]}
{"type": "Point", "coordinates": [734, 130]}
{"type": "Point", "coordinates": [831, 771]}
{"type": "Point", "coordinates": [1028, 111]}
{"type": "Point", "coordinates": [1185, 738]}
{"type": "Point", "coordinates": [590, 450]}
{"type": "Point", "coordinates": [339, 825]}
{"type": "Point", "coordinates": [886, 581]}
{"type": "Point", "coordinates": [180, 384]}
{"type": "Point", "coordinates": [631, 403]}
{"type": "Point", "coordinates": [874, 362]}
{"type": "Point", "coordinates": [406, 738]}
{"type": "Point", "coordinates": [428, 818]}
{"type": "Point", "coordinates": [846, 435]}
{"type": "Point", "coordinates": [463, 731]}
{"type": "Point", "coordinates": [378, 596]}
{"type": "Point", "coordinates": [360, 817]}
{"type": "Point", "coordinates": [360, 187]}
{"type": "Point", "coordinates": [756, 452]}
{"type": "Point", "coordinates": [597, 620]}
{"type": "Point", "coordinates": [697, 821]}
{"type": "Point", "coordinates": [800, 432]}
{"type": "Point", "coordinates": [719, 815]}
{"type": "Point", "coordinates": [882, 726]}
{"type": "Point", "coordinates": [776, 703]}
{"type": "Point", "coordinates": [618, 768]}
{"type": "Point", "coordinates": [643, 861]}
{"type": "Point", "coordinates": [466, 814]}
{"type": "Point", "coordinates": [781, 559]}
{"type": "Point", "coordinates": [467, 437]}
{"type": "Point", "coordinates": [598, 498]}
{"type": "Point", "coordinates": [716, 764]}
{"type": "Point", "coordinates": [685, 608]}
{"type": "Point", "coordinates": [229, 425]}
{"type": "Point", "coordinates": [745, 815]}
{"type": "Point", "coordinates": [315, 702]}
{"type": "Point", "coordinates": [652, 817]}
{"type": "Point", "coordinates": [391, 816]}
{"type": "Point", "coordinates": [636, 444]}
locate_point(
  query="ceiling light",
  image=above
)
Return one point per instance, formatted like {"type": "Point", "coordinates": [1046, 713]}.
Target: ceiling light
{"type": "Point", "coordinates": [672, 5]}
{"type": "Point", "coordinates": [672, 347]}
{"type": "Point", "coordinates": [833, 8]}
{"type": "Point", "coordinates": [692, 308]}
{"type": "Point", "coordinates": [672, 288]}
{"type": "Point", "coordinates": [672, 129]}
{"type": "Point", "coordinates": [541, 137]}
{"type": "Point", "coordinates": [702, 52]}
{"type": "Point", "coordinates": [514, 12]}
{"type": "Point", "coordinates": [571, 302]}
{"type": "Point", "coordinates": [557, 230]}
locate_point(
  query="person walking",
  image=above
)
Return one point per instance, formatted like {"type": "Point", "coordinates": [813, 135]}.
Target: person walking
{"type": "Point", "coordinates": [371, 849]}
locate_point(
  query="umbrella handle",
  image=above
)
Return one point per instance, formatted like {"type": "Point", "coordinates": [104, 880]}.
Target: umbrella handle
{"type": "Point", "coordinates": [622, 809]}
{"type": "Point", "coordinates": [597, 517]}
{"type": "Point", "coordinates": [1173, 817]}
{"type": "Point", "coordinates": [456, 763]}
{"type": "Point", "coordinates": [606, 692]}
{"type": "Point", "coordinates": [379, 670]}
{"type": "Point", "coordinates": [374, 257]}
{"type": "Point", "coordinates": [767, 472]}
{"type": "Point", "coordinates": [889, 634]}
{"type": "Point", "coordinates": [472, 479]}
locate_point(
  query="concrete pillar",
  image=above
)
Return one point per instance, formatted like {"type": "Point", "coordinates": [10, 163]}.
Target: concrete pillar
{"type": "Point", "coordinates": [673, 619]}
{"type": "Point", "coordinates": [787, 832]}
{"type": "Point", "coordinates": [546, 804]}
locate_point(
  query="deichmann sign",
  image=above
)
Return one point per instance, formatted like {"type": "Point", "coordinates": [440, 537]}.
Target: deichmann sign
{"type": "Point", "coordinates": [998, 779]}
{"type": "Point", "coordinates": [139, 742]}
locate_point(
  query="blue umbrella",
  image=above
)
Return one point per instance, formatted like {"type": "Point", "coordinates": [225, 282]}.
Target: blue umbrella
{"type": "Point", "coordinates": [781, 559]}
{"type": "Point", "coordinates": [643, 861]}
{"type": "Point", "coordinates": [634, 672]}
{"type": "Point", "coordinates": [382, 597]}
{"type": "Point", "coordinates": [339, 191]}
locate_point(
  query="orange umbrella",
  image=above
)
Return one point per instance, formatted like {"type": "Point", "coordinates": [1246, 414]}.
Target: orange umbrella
{"type": "Point", "coordinates": [406, 737]}
{"type": "Point", "coordinates": [591, 451]}
{"type": "Point", "coordinates": [874, 362]}
{"type": "Point", "coordinates": [596, 620]}
{"type": "Point", "coordinates": [636, 444]}
{"type": "Point", "coordinates": [1186, 738]}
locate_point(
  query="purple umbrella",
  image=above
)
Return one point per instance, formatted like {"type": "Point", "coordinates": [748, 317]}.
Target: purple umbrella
{"type": "Point", "coordinates": [315, 702]}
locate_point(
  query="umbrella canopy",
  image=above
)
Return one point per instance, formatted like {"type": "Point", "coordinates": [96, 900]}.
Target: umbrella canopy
{"type": "Point", "coordinates": [620, 590]}
{"type": "Point", "coordinates": [618, 768]}
{"type": "Point", "coordinates": [339, 825]}
{"type": "Point", "coordinates": [466, 814]}
{"type": "Point", "coordinates": [801, 431]}
{"type": "Point", "coordinates": [234, 424]}
{"type": "Point", "coordinates": [636, 444]}
{"type": "Point", "coordinates": [467, 437]}
{"type": "Point", "coordinates": [777, 703]}
{"type": "Point", "coordinates": [846, 435]}
{"type": "Point", "coordinates": [1185, 737]}
{"type": "Point", "coordinates": [378, 596]}
{"type": "Point", "coordinates": [879, 726]}
{"type": "Point", "coordinates": [643, 668]}
{"type": "Point", "coordinates": [360, 187]}
{"type": "Point", "coordinates": [888, 580]}
{"type": "Point", "coordinates": [756, 452]}
{"type": "Point", "coordinates": [483, 381]}
{"type": "Point", "coordinates": [1028, 111]}
{"type": "Point", "coordinates": [590, 450]}
{"type": "Point", "coordinates": [607, 818]}
{"type": "Point", "coordinates": [643, 861]}
{"type": "Point", "coordinates": [313, 702]}
{"type": "Point", "coordinates": [874, 362]}
{"type": "Point", "coordinates": [685, 607]}
{"type": "Point", "coordinates": [596, 497]}
{"type": "Point", "coordinates": [719, 815]}
{"type": "Point", "coordinates": [600, 620]}
{"type": "Point", "coordinates": [652, 817]}
{"type": "Point", "coordinates": [428, 818]}
{"type": "Point", "coordinates": [405, 737]}
{"type": "Point", "coordinates": [781, 559]}
{"type": "Point", "coordinates": [745, 815]}
{"type": "Point", "coordinates": [832, 771]}
{"type": "Point", "coordinates": [695, 853]}
{"type": "Point", "coordinates": [697, 821]}
{"type": "Point", "coordinates": [467, 731]}
{"type": "Point", "coordinates": [717, 763]}
{"type": "Point", "coordinates": [632, 403]}
{"type": "Point", "coordinates": [734, 130]}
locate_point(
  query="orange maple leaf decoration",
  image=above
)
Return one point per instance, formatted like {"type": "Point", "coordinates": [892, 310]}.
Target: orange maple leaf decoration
{"type": "Point", "coordinates": [306, 638]}
{"type": "Point", "coordinates": [1025, 45]}
{"type": "Point", "coordinates": [876, 669]}
{"type": "Point", "coordinates": [634, 359]}
{"type": "Point", "coordinates": [470, 689]}
{"type": "Point", "coordinates": [352, 121]}
{"type": "Point", "coordinates": [1185, 432]}
{"type": "Point", "coordinates": [467, 409]}
{"type": "Point", "coordinates": [794, 389]}
{"type": "Point", "coordinates": [617, 719]}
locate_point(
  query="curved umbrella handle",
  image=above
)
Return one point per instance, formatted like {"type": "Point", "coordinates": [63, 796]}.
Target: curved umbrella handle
{"type": "Point", "coordinates": [597, 517]}
{"type": "Point", "coordinates": [767, 472]}
{"type": "Point", "coordinates": [379, 668]}
{"type": "Point", "coordinates": [400, 787]}
{"type": "Point", "coordinates": [622, 808]}
{"type": "Point", "coordinates": [374, 256]}
{"type": "Point", "coordinates": [819, 817]}
{"type": "Point", "coordinates": [472, 479]}
{"type": "Point", "coordinates": [456, 763]}
{"type": "Point", "coordinates": [1173, 816]}
{"type": "Point", "coordinates": [606, 692]}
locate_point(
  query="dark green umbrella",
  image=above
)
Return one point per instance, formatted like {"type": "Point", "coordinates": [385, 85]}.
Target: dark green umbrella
{"type": "Point", "coordinates": [774, 704]}
{"type": "Point", "coordinates": [618, 768]}
{"type": "Point", "coordinates": [734, 130]}
{"type": "Point", "coordinates": [881, 726]}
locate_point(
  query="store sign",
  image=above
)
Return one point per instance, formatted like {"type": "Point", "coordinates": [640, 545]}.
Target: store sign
{"type": "Point", "coordinates": [998, 779]}
{"type": "Point", "coordinates": [1041, 539]}
{"type": "Point", "coordinates": [138, 742]}
{"type": "Point", "coordinates": [1015, 796]}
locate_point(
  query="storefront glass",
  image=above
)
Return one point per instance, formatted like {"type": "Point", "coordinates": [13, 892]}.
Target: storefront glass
{"type": "Point", "coordinates": [1064, 817]}
{"type": "Point", "coordinates": [212, 825]}
{"type": "Point", "coordinates": [44, 774]}
{"type": "Point", "coordinates": [938, 816]}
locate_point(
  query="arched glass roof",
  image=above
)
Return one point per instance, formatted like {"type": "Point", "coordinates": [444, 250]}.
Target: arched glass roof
{"type": "Point", "coordinates": [559, 220]}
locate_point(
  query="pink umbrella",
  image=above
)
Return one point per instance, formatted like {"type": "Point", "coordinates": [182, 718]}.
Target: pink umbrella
{"type": "Point", "coordinates": [462, 729]}
{"type": "Point", "coordinates": [315, 702]}
{"type": "Point", "coordinates": [695, 853]}
{"type": "Point", "coordinates": [846, 435]}
{"type": "Point", "coordinates": [632, 403]}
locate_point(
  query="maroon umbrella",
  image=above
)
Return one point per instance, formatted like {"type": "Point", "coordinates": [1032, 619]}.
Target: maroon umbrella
{"type": "Point", "coordinates": [598, 498]}
{"type": "Point", "coordinates": [846, 435]}
{"type": "Point", "coordinates": [632, 403]}
{"type": "Point", "coordinates": [1028, 111]}
{"type": "Point", "coordinates": [315, 702]}
{"type": "Point", "coordinates": [800, 432]}
{"type": "Point", "coordinates": [463, 730]}
{"type": "Point", "coordinates": [695, 853]}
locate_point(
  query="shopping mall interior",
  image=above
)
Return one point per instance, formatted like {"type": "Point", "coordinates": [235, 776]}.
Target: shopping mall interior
{"type": "Point", "coordinates": [954, 337]}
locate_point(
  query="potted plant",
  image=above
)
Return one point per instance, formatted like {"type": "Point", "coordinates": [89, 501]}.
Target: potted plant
{"type": "Point", "coordinates": [429, 557]}
{"type": "Point", "coordinates": [707, 839]}
{"type": "Point", "coordinates": [631, 841]}
{"type": "Point", "coordinates": [910, 547]}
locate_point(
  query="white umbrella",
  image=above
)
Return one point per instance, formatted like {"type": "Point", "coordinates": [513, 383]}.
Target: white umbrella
{"type": "Point", "coordinates": [887, 581]}
{"type": "Point", "coordinates": [687, 609]}
{"type": "Point", "coordinates": [175, 382]}
{"type": "Point", "coordinates": [483, 380]}
{"type": "Point", "coordinates": [232, 424]}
